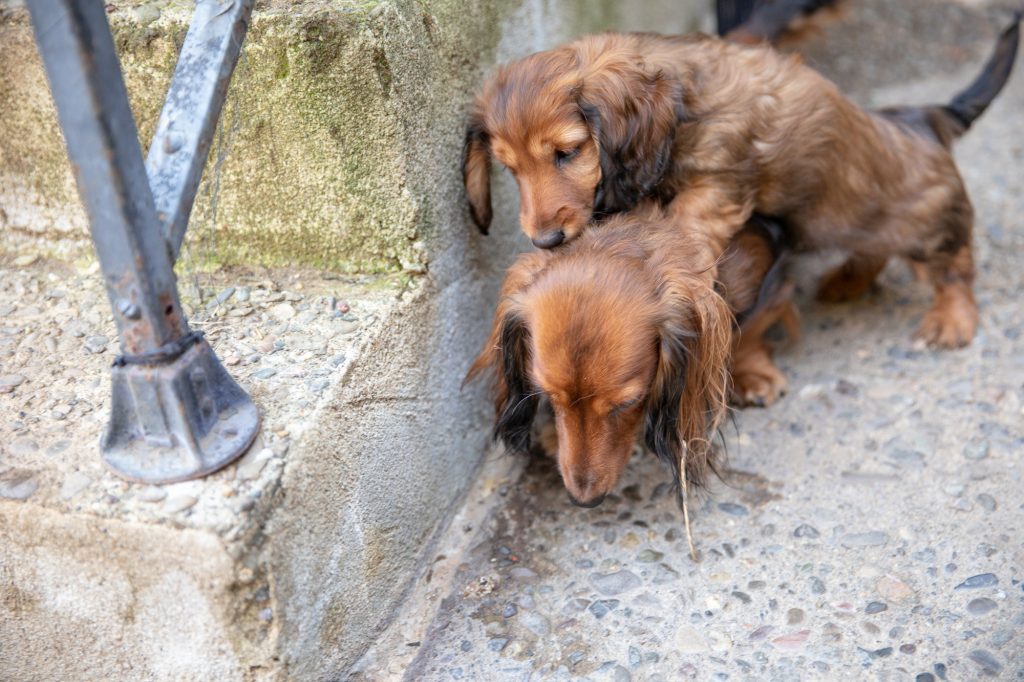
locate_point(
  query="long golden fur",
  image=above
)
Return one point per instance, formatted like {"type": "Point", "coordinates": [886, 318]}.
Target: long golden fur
{"type": "Point", "coordinates": [625, 332]}
{"type": "Point", "coordinates": [716, 131]}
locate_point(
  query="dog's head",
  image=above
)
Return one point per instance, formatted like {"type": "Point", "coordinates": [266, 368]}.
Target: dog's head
{"type": "Point", "coordinates": [587, 131]}
{"type": "Point", "coordinates": [620, 349]}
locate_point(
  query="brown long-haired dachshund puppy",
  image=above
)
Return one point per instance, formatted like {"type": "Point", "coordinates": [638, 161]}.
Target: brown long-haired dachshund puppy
{"type": "Point", "coordinates": [625, 332]}
{"type": "Point", "coordinates": [716, 131]}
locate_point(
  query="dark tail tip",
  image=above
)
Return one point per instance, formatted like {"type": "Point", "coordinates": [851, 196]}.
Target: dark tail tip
{"type": "Point", "coordinates": [731, 14]}
{"type": "Point", "coordinates": [968, 105]}
{"type": "Point", "coordinates": [753, 21]}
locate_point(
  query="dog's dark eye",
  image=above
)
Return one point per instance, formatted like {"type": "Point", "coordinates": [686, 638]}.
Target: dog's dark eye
{"type": "Point", "coordinates": [564, 156]}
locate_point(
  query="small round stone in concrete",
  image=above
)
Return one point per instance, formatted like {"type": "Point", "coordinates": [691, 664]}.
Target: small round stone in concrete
{"type": "Point", "coordinates": [523, 573]}
{"type": "Point", "coordinates": [146, 14]}
{"type": "Point", "coordinates": [875, 607]}
{"type": "Point", "coordinates": [1001, 637]}
{"type": "Point", "coordinates": [75, 483]}
{"type": "Point", "coordinates": [981, 606]}
{"type": "Point", "coordinates": [742, 596]}
{"type": "Point", "coordinates": [988, 663]}
{"type": "Point", "coordinates": [649, 556]}
{"type": "Point", "coordinates": [806, 531]}
{"type": "Point", "coordinates": [615, 583]}
{"type": "Point", "coordinates": [264, 373]}
{"type": "Point", "coordinates": [347, 326]}
{"type": "Point", "coordinates": [9, 382]}
{"type": "Point", "coordinates": [603, 607]}
{"type": "Point", "coordinates": [497, 644]}
{"type": "Point", "coordinates": [791, 641]}
{"type": "Point", "coordinates": [925, 677]}
{"type": "Point", "coordinates": [510, 610]}
{"type": "Point", "coordinates": [976, 450]}
{"type": "Point", "coordinates": [893, 589]}
{"type": "Point", "coordinates": [574, 606]}
{"type": "Point", "coordinates": [689, 641]}
{"type": "Point", "coordinates": [18, 484]}
{"type": "Point", "coordinates": [987, 502]}
{"type": "Point", "coordinates": [22, 447]}
{"type": "Point", "coordinates": [794, 616]}
{"type": "Point", "coordinates": [978, 581]}
{"type": "Point", "coordinates": [97, 344]}
{"type": "Point", "coordinates": [733, 509]}
{"type": "Point", "coordinates": [151, 493]}
{"type": "Point", "coordinates": [908, 648]}
{"type": "Point", "coordinates": [955, 489]}
{"type": "Point", "coordinates": [874, 538]}
{"type": "Point", "coordinates": [962, 504]}
{"type": "Point", "coordinates": [250, 466]}
{"type": "Point", "coordinates": [179, 503]}
{"type": "Point", "coordinates": [817, 585]}
{"type": "Point", "coordinates": [282, 311]}
{"type": "Point", "coordinates": [224, 295]}
{"type": "Point", "coordinates": [535, 623]}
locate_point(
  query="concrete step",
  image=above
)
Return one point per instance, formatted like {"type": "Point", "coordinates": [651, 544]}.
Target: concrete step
{"type": "Point", "coordinates": [869, 525]}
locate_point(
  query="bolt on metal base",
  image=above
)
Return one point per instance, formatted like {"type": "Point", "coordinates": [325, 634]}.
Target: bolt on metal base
{"type": "Point", "coordinates": [176, 421]}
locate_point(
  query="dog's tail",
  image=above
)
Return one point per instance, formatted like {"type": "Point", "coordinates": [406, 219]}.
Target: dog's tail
{"type": "Point", "coordinates": [946, 122]}
{"type": "Point", "coordinates": [764, 21]}
{"type": "Point", "coordinates": [969, 104]}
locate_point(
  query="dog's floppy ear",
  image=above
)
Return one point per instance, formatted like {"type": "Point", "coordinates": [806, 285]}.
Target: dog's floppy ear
{"type": "Point", "coordinates": [516, 399]}
{"type": "Point", "coordinates": [633, 117]}
{"type": "Point", "coordinates": [476, 171]}
{"type": "Point", "coordinates": [688, 397]}
{"type": "Point", "coordinates": [507, 355]}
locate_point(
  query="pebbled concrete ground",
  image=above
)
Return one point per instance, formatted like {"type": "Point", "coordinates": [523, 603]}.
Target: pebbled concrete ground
{"type": "Point", "coordinates": [871, 524]}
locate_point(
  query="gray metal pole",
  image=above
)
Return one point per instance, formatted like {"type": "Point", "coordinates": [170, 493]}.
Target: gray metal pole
{"type": "Point", "coordinates": [175, 412]}
{"type": "Point", "coordinates": [188, 120]}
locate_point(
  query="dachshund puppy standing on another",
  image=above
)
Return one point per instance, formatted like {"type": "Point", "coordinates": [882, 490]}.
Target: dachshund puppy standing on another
{"type": "Point", "coordinates": [714, 132]}
{"type": "Point", "coordinates": [626, 333]}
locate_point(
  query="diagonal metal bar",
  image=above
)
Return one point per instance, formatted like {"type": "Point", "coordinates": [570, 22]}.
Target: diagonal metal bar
{"type": "Point", "coordinates": [175, 412]}
{"type": "Point", "coordinates": [187, 122]}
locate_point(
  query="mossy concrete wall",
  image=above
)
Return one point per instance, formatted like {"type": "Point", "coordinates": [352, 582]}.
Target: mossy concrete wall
{"type": "Point", "coordinates": [339, 147]}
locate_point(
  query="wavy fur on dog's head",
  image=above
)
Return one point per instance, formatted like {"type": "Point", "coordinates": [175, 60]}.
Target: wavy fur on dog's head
{"type": "Point", "coordinates": [587, 130]}
{"type": "Point", "coordinates": [625, 336]}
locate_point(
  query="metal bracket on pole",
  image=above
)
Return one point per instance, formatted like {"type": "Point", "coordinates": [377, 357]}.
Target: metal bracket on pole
{"type": "Point", "coordinates": [176, 413]}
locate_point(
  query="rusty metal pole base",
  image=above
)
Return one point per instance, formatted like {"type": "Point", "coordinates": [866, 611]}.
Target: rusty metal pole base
{"type": "Point", "coordinates": [176, 420]}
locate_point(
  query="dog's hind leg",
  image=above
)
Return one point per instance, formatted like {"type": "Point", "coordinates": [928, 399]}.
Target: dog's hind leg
{"type": "Point", "coordinates": [852, 279]}
{"type": "Point", "coordinates": [953, 317]}
{"type": "Point", "coordinates": [949, 264]}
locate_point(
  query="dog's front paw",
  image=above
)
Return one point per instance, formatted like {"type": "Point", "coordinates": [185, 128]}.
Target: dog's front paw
{"type": "Point", "coordinates": [758, 388]}
{"type": "Point", "coordinates": [945, 328]}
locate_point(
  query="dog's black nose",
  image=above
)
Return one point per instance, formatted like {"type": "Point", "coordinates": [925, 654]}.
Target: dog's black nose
{"type": "Point", "coordinates": [549, 239]}
{"type": "Point", "coordinates": [590, 504]}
